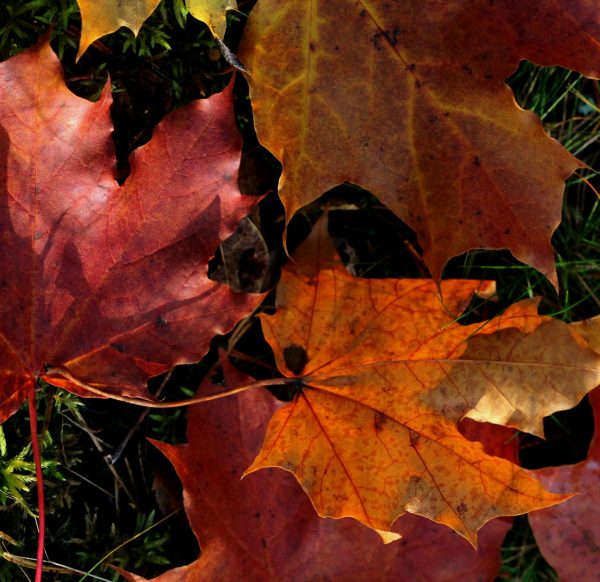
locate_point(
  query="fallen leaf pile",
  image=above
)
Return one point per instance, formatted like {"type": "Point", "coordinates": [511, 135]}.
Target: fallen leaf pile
{"type": "Point", "coordinates": [397, 411]}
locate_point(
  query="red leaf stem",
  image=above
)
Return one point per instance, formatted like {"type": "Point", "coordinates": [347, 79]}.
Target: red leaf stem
{"type": "Point", "coordinates": [40, 483]}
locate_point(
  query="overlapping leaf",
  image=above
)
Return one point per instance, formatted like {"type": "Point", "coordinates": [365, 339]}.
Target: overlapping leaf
{"type": "Point", "coordinates": [569, 535]}
{"type": "Point", "coordinates": [100, 18]}
{"type": "Point", "coordinates": [263, 527]}
{"type": "Point", "coordinates": [384, 375]}
{"type": "Point", "coordinates": [104, 282]}
{"type": "Point", "coordinates": [408, 100]}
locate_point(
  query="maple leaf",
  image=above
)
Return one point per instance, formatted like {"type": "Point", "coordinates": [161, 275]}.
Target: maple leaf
{"type": "Point", "coordinates": [383, 374]}
{"type": "Point", "coordinates": [569, 535]}
{"type": "Point", "coordinates": [408, 100]}
{"type": "Point", "coordinates": [589, 329]}
{"type": "Point", "coordinates": [107, 282]}
{"type": "Point", "coordinates": [100, 18]}
{"type": "Point", "coordinates": [264, 528]}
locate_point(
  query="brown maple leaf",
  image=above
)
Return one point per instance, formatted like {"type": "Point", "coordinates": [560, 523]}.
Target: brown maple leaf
{"type": "Point", "coordinates": [264, 528]}
{"type": "Point", "coordinates": [102, 283]}
{"type": "Point", "coordinates": [383, 373]}
{"type": "Point", "coordinates": [408, 100]}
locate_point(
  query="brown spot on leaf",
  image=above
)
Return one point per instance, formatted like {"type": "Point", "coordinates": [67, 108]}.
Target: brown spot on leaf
{"type": "Point", "coordinates": [588, 536]}
{"type": "Point", "coordinates": [390, 36]}
{"type": "Point", "coordinates": [379, 421]}
{"type": "Point", "coordinates": [414, 437]}
{"type": "Point", "coordinates": [295, 358]}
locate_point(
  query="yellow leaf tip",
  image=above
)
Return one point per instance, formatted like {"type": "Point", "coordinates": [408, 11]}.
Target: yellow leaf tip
{"type": "Point", "coordinates": [388, 536]}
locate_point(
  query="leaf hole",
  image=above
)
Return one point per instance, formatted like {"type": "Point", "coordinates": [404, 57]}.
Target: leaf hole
{"type": "Point", "coordinates": [568, 437]}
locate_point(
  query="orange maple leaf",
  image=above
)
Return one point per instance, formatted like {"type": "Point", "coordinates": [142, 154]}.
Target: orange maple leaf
{"type": "Point", "coordinates": [408, 100]}
{"type": "Point", "coordinates": [263, 527]}
{"type": "Point", "coordinates": [383, 374]}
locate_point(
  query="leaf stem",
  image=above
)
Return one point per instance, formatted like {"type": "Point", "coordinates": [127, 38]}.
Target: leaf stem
{"type": "Point", "coordinates": [64, 373]}
{"type": "Point", "coordinates": [35, 445]}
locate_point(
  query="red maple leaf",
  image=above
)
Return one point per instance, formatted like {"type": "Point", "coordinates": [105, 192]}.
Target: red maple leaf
{"type": "Point", "coordinates": [104, 283]}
